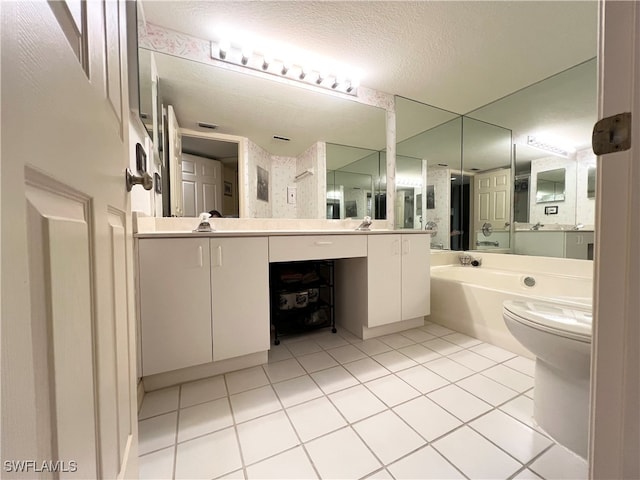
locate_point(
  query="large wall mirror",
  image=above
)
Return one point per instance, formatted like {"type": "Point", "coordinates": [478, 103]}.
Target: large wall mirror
{"type": "Point", "coordinates": [284, 132]}
{"type": "Point", "coordinates": [428, 169]}
{"type": "Point", "coordinates": [453, 176]}
{"type": "Point", "coordinates": [356, 182]}
{"type": "Point", "coordinates": [487, 195]}
{"type": "Point", "coordinates": [551, 122]}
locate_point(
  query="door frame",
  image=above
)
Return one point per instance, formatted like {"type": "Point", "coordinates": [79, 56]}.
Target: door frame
{"type": "Point", "coordinates": [614, 439]}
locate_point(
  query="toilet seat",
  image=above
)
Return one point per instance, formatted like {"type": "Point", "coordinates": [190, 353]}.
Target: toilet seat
{"type": "Point", "coordinates": [566, 321]}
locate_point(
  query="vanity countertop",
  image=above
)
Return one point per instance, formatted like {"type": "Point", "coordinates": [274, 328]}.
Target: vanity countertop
{"type": "Point", "coordinates": [271, 233]}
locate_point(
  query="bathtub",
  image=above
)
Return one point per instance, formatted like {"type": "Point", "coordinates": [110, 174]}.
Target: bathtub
{"type": "Point", "coordinates": [469, 299]}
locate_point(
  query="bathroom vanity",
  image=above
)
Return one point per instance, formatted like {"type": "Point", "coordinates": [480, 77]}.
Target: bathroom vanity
{"type": "Point", "coordinates": [555, 243]}
{"type": "Point", "coordinates": [204, 297]}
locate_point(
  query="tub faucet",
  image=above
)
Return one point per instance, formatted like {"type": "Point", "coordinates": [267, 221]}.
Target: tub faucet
{"type": "Point", "coordinates": [465, 259]}
{"type": "Point", "coordinates": [366, 223]}
{"type": "Point", "coordinates": [537, 226]}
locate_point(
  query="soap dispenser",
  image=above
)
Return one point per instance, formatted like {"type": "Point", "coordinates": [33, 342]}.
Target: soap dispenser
{"type": "Point", "coordinates": [204, 225]}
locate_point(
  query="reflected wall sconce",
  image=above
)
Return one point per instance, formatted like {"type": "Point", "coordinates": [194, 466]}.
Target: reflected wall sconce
{"type": "Point", "coordinates": [263, 62]}
{"type": "Point", "coordinates": [548, 147]}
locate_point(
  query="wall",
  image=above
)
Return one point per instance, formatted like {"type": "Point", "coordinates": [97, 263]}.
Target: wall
{"type": "Point", "coordinates": [358, 196]}
{"type": "Point", "coordinates": [586, 207]}
{"type": "Point", "coordinates": [311, 189]}
{"type": "Point", "coordinates": [440, 179]}
{"type": "Point", "coordinates": [145, 201]}
{"type": "Point", "coordinates": [257, 157]}
{"type": "Point", "coordinates": [230, 203]}
{"type": "Point", "coordinates": [577, 207]}
{"type": "Point", "coordinates": [283, 172]}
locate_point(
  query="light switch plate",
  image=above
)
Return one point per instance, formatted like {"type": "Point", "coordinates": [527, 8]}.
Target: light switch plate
{"type": "Point", "coordinates": [291, 195]}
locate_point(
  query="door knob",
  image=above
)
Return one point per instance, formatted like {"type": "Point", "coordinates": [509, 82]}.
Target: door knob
{"type": "Point", "coordinates": [143, 179]}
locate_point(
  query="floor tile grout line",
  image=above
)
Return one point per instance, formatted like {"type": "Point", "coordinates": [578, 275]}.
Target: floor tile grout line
{"type": "Point", "coordinates": [387, 407]}
{"type": "Point", "coordinates": [235, 430]}
{"type": "Point", "coordinates": [175, 445]}
{"type": "Point", "coordinates": [533, 460]}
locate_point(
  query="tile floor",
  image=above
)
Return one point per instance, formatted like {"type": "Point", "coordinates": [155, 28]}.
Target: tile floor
{"type": "Point", "coordinates": [427, 403]}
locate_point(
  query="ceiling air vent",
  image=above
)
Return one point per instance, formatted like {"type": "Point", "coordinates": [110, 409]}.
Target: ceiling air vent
{"type": "Point", "coordinates": [210, 126]}
{"type": "Point", "coordinates": [281, 138]}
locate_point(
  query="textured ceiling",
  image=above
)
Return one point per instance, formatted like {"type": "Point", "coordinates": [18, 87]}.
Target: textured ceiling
{"type": "Point", "coordinates": [453, 55]}
{"type": "Point", "coordinates": [473, 57]}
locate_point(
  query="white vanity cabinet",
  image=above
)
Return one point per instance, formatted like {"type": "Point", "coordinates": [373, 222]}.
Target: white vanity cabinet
{"type": "Point", "coordinates": [397, 278]}
{"type": "Point", "coordinates": [239, 296]}
{"type": "Point", "coordinates": [202, 300]}
{"type": "Point", "coordinates": [175, 305]}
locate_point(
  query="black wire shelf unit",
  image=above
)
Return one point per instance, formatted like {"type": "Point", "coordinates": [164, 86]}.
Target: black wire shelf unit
{"type": "Point", "coordinates": [302, 297]}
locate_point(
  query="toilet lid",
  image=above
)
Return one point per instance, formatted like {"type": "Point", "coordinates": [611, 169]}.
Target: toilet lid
{"type": "Point", "coordinates": [567, 321]}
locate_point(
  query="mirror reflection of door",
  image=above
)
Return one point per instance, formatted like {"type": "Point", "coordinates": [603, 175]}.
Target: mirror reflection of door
{"type": "Point", "coordinates": [209, 176]}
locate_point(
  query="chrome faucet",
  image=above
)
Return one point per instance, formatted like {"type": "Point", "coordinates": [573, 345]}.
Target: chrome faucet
{"type": "Point", "coordinates": [366, 223]}
{"type": "Point", "coordinates": [537, 226]}
{"type": "Point", "coordinates": [204, 225]}
{"type": "Point", "coordinates": [465, 259]}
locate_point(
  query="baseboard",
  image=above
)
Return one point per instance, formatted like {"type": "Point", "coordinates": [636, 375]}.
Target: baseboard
{"type": "Point", "coordinates": [391, 328]}
{"type": "Point", "coordinates": [198, 372]}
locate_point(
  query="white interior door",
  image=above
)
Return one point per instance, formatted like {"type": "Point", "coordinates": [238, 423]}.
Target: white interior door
{"type": "Point", "coordinates": [201, 185]}
{"type": "Point", "coordinates": [615, 385]}
{"type": "Point", "coordinates": [68, 337]}
{"type": "Point", "coordinates": [175, 163]}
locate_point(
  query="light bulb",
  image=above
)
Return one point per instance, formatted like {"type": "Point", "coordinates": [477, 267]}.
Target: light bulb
{"type": "Point", "coordinates": [266, 61]}
{"type": "Point", "coordinates": [223, 48]}
{"type": "Point", "coordinates": [246, 54]}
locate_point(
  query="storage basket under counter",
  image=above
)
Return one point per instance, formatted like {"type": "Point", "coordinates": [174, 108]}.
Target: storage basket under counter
{"type": "Point", "coordinates": [302, 296]}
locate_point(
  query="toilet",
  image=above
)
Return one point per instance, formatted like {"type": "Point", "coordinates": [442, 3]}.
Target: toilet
{"type": "Point", "coordinates": [559, 335]}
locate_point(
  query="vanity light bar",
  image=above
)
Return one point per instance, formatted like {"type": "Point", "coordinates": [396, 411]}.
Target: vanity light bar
{"type": "Point", "coordinates": [535, 143]}
{"type": "Point", "coordinates": [245, 57]}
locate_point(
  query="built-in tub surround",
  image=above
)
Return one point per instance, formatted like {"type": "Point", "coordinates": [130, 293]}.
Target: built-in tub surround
{"type": "Point", "coordinates": [469, 299]}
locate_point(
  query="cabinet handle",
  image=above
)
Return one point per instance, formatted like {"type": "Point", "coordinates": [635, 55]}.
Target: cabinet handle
{"type": "Point", "coordinates": [406, 247]}
{"type": "Point", "coordinates": [319, 242]}
{"type": "Point", "coordinates": [200, 258]}
{"type": "Point", "coordinates": [218, 256]}
{"type": "Point", "coordinates": [396, 247]}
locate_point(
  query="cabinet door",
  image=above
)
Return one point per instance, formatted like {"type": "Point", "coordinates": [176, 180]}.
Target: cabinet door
{"type": "Point", "coordinates": [383, 279]}
{"type": "Point", "coordinates": [175, 305]}
{"type": "Point", "coordinates": [239, 296]}
{"type": "Point", "coordinates": [415, 276]}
